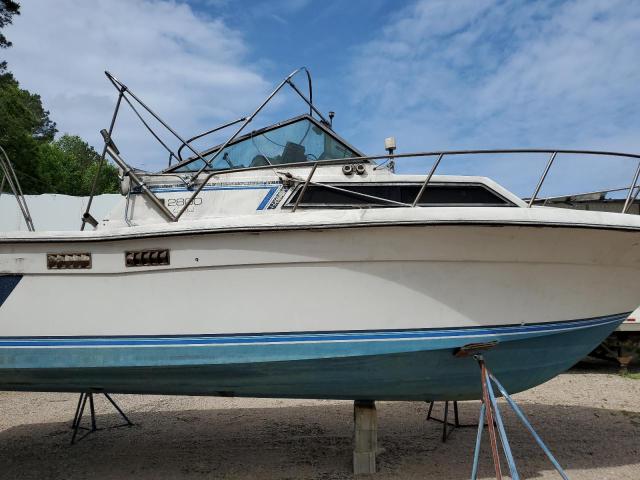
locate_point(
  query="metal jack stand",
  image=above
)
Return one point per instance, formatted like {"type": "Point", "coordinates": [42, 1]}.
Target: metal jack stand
{"type": "Point", "coordinates": [77, 418]}
{"type": "Point", "coordinates": [447, 426]}
{"type": "Point", "coordinates": [490, 408]}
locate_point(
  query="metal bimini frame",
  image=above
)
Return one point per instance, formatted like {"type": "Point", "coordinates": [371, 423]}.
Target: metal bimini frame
{"type": "Point", "coordinates": [9, 176]}
{"type": "Point", "coordinates": [124, 93]}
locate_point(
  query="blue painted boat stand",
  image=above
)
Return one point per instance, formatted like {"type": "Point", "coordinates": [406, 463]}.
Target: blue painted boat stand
{"type": "Point", "coordinates": [77, 418]}
{"type": "Point", "coordinates": [490, 410]}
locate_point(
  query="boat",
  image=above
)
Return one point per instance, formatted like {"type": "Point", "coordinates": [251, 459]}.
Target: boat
{"type": "Point", "coordinates": [285, 262]}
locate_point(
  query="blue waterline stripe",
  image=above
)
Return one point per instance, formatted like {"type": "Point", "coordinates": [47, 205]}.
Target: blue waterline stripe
{"type": "Point", "coordinates": [310, 337]}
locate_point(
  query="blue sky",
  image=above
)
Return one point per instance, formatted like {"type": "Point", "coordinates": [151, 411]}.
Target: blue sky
{"type": "Point", "coordinates": [437, 74]}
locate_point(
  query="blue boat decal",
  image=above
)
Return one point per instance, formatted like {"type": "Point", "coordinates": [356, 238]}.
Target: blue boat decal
{"type": "Point", "coordinates": [7, 284]}
{"type": "Point", "coordinates": [271, 190]}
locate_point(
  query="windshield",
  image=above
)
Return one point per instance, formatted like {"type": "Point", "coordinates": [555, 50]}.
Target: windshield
{"type": "Point", "coordinates": [300, 141]}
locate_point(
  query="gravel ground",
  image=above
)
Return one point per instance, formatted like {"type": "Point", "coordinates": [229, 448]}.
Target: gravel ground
{"type": "Point", "coordinates": [590, 418]}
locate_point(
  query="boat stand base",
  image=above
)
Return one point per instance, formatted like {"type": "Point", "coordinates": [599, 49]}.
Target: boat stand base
{"type": "Point", "coordinates": [77, 418]}
{"type": "Point", "coordinates": [365, 435]}
{"type": "Point", "coordinates": [490, 408]}
{"type": "Point", "coordinates": [447, 426]}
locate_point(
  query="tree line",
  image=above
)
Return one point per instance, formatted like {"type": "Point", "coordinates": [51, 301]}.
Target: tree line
{"type": "Point", "coordinates": [43, 163]}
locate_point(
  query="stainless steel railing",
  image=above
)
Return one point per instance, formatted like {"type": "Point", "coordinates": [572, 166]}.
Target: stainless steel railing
{"type": "Point", "coordinates": [9, 176]}
{"type": "Point", "coordinates": [633, 190]}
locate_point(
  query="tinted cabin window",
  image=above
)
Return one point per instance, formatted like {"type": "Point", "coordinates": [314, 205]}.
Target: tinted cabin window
{"type": "Point", "coordinates": [459, 194]}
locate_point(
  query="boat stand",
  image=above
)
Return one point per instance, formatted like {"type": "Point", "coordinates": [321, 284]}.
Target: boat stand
{"type": "Point", "coordinates": [447, 426]}
{"type": "Point", "coordinates": [490, 408]}
{"type": "Point", "coordinates": [365, 437]}
{"type": "Point", "coordinates": [77, 418]}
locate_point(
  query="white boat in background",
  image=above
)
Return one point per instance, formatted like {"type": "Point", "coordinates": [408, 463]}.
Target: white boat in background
{"type": "Point", "coordinates": [285, 263]}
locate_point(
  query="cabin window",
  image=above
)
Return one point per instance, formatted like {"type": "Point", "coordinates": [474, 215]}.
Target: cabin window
{"type": "Point", "coordinates": [457, 194]}
{"type": "Point", "coordinates": [296, 142]}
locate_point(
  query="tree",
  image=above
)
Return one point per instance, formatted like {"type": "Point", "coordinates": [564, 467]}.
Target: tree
{"type": "Point", "coordinates": [42, 164]}
{"type": "Point", "coordinates": [24, 125]}
{"type": "Point", "coordinates": [69, 165]}
{"type": "Point", "coordinates": [8, 8]}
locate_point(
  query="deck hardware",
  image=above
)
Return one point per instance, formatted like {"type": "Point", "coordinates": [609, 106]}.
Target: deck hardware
{"type": "Point", "coordinates": [88, 218]}
{"type": "Point", "coordinates": [471, 349]}
{"type": "Point", "coordinates": [490, 408]}
{"type": "Point", "coordinates": [147, 258]}
{"type": "Point", "coordinates": [360, 169]}
{"type": "Point", "coordinates": [390, 144]}
{"type": "Point", "coordinates": [347, 169]}
{"type": "Point", "coordinates": [77, 418]}
{"type": "Point", "coordinates": [68, 261]}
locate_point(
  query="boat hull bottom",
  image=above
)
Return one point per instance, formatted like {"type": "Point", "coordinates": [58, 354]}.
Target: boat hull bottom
{"type": "Point", "coordinates": [418, 375]}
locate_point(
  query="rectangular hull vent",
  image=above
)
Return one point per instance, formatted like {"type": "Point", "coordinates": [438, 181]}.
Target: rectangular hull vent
{"type": "Point", "coordinates": [68, 261]}
{"type": "Point", "coordinates": [147, 258]}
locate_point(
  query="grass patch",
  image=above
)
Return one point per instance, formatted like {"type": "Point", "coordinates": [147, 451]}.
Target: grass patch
{"type": "Point", "coordinates": [632, 376]}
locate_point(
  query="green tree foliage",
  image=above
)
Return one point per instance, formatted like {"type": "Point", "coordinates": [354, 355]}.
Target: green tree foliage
{"type": "Point", "coordinates": [68, 165]}
{"type": "Point", "coordinates": [43, 165]}
{"type": "Point", "coordinates": [8, 8]}
{"type": "Point", "coordinates": [24, 125]}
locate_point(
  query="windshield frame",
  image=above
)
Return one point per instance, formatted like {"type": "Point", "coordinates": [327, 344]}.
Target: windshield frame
{"type": "Point", "coordinates": [326, 130]}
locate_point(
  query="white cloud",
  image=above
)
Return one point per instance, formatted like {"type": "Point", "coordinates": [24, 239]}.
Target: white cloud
{"type": "Point", "coordinates": [499, 74]}
{"type": "Point", "coordinates": [190, 69]}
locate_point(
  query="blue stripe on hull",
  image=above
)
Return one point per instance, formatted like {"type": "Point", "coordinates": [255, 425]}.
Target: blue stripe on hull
{"type": "Point", "coordinates": [395, 365]}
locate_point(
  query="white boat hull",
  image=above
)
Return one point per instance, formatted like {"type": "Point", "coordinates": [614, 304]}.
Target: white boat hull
{"type": "Point", "coordinates": [353, 311]}
{"type": "Point", "coordinates": [331, 280]}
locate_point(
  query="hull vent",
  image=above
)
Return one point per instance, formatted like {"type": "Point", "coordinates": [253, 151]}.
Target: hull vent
{"type": "Point", "coordinates": [147, 258]}
{"type": "Point", "coordinates": [68, 261]}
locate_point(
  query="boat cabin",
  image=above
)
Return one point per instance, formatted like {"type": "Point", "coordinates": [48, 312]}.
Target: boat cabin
{"type": "Point", "coordinates": [267, 170]}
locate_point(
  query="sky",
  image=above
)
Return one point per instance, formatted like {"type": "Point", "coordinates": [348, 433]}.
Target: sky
{"type": "Point", "coordinates": [436, 74]}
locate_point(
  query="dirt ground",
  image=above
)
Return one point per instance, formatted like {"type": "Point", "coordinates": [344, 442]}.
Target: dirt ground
{"type": "Point", "coordinates": [589, 417]}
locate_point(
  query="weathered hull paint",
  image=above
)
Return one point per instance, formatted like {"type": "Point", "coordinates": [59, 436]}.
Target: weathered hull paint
{"type": "Point", "coordinates": [403, 365]}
